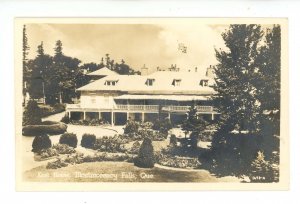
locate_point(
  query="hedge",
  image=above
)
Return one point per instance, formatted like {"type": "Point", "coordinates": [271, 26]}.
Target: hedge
{"type": "Point", "coordinates": [54, 129]}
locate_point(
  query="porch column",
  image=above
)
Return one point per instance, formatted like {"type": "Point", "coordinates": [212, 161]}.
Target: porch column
{"type": "Point", "coordinates": [69, 114]}
{"type": "Point", "coordinates": [84, 115]}
{"type": "Point", "coordinates": [99, 115]}
{"type": "Point", "coordinates": [143, 117]}
{"type": "Point", "coordinates": [127, 116]}
{"type": "Point", "coordinates": [112, 118]}
{"type": "Point", "coordinates": [212, 116]}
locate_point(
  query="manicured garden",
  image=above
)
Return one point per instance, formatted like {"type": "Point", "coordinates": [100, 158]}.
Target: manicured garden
{"type": "Point", "coordinates": [149, 146]}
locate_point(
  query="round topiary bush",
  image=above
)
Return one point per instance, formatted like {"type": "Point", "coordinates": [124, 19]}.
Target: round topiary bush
{"type": "Point", "coordinates": [145, 158]}
{"type": "Point", "coordinates": [41, 142]}
{"type": "Point", "coordinates": [69, 139]}
{"type": "Point", "coordinates": [88, 140]}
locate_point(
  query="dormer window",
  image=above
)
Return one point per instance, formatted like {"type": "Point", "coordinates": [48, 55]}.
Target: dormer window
{"type": "Point", "coordinates": [176, 82]}
{"type": "Point", "coordinates": [150, 82]}
{"type": "Point", "coordinates": [111, 82]}
{"type": "Point", "coordinates": [204, 82]}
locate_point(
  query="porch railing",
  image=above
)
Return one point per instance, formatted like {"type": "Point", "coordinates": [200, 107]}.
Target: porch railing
{"type": "Point", "coordinates": [155, 108]}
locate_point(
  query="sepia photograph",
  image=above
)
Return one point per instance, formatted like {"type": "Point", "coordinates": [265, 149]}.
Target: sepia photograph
{"type": "Point", "coordinates": [151, 103]}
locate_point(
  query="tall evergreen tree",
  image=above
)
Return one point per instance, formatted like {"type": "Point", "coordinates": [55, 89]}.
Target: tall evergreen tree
{"type": "Point", "coordinates": [26, 71]}
{"type": "Point", "coordinates": [236, 77]}
{"type": "Point", "coordinates": [39, 74]}
{"type": "Point", "coordinates": [269, 62]}
{"type": "Point", "coordinates": [194, 123]}
{"type": "Point", "coordinates": [65, 70]}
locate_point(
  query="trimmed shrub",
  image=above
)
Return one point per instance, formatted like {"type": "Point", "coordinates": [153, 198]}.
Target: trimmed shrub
{"type": "Point", "coordinates": [145, 158]}
{"type": "Point", "coordinates": [69, 139]}
{"type": "Point", "coordinates": [131, 127]}
{"type": "Point", "coordinates": [32, 114]}
{"type": "Point", "coordinates": [63, 149]}
{"type": "Point", "coordinates": [88, 140]}
{"type": "Point", "coordinates": [41, 142]}
{"type": "Point", "coordinates": [163, 125]}
{"type": "Point", "coordinates": [65, 119]}
{"type": "Point", "coordinates": [173, 141]}
{"type": "Point", "coordinates": [35, 130]}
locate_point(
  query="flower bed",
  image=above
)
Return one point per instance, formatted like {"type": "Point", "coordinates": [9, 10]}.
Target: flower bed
{"type": "Point", "coordinates": [177, 162]}
{"type": "Point", "coordinates": [97, 157]}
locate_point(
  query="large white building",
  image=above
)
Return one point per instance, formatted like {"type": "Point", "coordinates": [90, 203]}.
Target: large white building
{"type": "Point", "coordinates": [117, 98]}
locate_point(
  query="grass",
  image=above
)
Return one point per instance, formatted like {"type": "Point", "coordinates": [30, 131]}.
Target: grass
{"type": "Point", "coordinates": [119, 172]}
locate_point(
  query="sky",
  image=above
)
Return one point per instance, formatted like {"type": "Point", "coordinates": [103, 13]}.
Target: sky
{"type": "Point", "coordinates": [155, 45]}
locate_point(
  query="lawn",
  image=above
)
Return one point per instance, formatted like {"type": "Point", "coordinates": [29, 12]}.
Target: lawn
{"type": "Point", "coordinates": [119, 172]}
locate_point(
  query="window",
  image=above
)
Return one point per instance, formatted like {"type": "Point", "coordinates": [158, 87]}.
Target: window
{"type": "Point", "coordinates": [111, 82]}
{"type": "Point", "coordinates": [150, 82]}
{"type": "Point", "coordinates": [204, 82]}
{"type": "Point", "coordinates": [176, 82]}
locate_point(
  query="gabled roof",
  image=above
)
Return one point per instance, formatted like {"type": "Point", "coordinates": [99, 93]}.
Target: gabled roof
{"type": "Point", "coordinates": [163, 84]}
{"type": "Point", "coordinates": [103, 72]}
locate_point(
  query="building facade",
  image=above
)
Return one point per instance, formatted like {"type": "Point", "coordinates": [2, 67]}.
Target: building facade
{"type": "Point", "coordinates": [117, 98]}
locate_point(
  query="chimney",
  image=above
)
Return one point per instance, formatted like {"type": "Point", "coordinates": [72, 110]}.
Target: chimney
{"type": "Point", "coordinates": [210, 72]}
{"type": "Point", "coordinates": [144, 70]}
{"type": "Point", "coordinates": [196, 69]}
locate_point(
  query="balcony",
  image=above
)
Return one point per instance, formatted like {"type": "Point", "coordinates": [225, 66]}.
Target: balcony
{"type": "Point", "coordinates": [138, 108]}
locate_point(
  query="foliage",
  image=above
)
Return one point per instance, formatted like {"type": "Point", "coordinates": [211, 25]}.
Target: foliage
{"type": "Point", "coordinates": [63, 149]}
{"type": "Point", "coordinates": [233, 154]}
{"type": "Point", "coordinates": [48, 110]}
{"type": "Point", "coordinates": [152, 134]}
{"type": "Point", "coordinates": [248, 98]}
{"type": "Point", "coordinates": [236, 76]}
{"type": "Point", "coordinates": [269, 61]}
{"type": "Point", "coordinates": [88, 140]}
{"type": "Point", "coordinates": [131, 127]}
{"type": "Point", "coordinates": [261, 170]}
{"type": "Point", "coordinates": [41, 142]}
{"type": "Point", "coordinates": [76, 158]}
{"type": "Point", "coordinates": [145, 158]}
{"type": "Point", "coordinates": [65, 119]}
{"type": "Point", "coordinates": [32, 114]}
{"type": "Point", "coordinates": [58, 163]}
{"type": "Point", "coordinates": [45, 128]}
{"type": "Point", "coordinates": [110, 144]}
{"type": "Point", "coordinates": [48, 153]}
{"type": "Point", "coordinates": [162, 125]}
{"type": "Point", "coordinates": [195, 124]}
{"type": "Point", "coordinates": [173, 141]}
{"type": "Point", "coordinates": [69, 139]}
{"type": "Point", "coordinates": [135, 148]}
{"type": "Point", "coordinates": [177, 162]}
{"type": "Point", "coordinates": [146, 125]}
{"type": "Point", "coordinates": [93, 122]}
